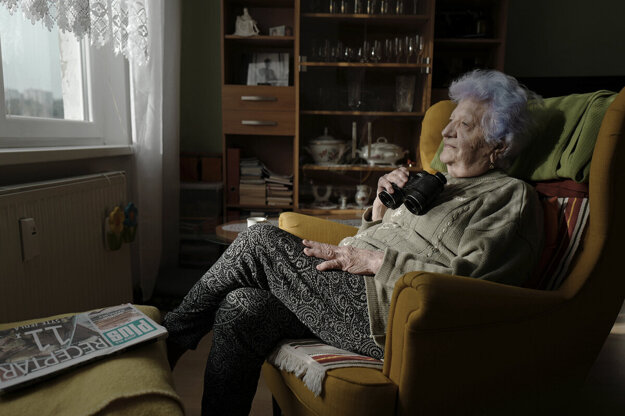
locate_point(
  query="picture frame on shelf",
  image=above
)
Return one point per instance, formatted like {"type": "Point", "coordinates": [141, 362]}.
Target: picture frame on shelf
{"type": "Point", "coordinates": [268, 69]}
{"type": "Point", "coordinates": [277, 30]}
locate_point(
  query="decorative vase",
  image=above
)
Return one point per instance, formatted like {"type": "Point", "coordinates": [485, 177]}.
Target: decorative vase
{"type": "Point", "coordinates": [363, 192]}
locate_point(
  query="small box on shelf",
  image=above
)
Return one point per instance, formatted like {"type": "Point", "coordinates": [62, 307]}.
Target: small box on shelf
{"type": "Point", "coordinates": [196, 167]}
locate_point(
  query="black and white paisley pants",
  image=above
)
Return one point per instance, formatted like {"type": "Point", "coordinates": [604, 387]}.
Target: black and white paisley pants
{"type": "Point", "coordinates": [261, 290]}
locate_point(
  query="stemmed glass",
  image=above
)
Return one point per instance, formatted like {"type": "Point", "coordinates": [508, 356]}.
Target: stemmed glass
{"type": "Point", "coordinates": [375, 53]}
{"type": "Point", "coordinates": [399, 49]}
{"type": "Point", "coordinates": [399, 7]}
{"type": "Point", "coordinates": [411, 49]}
{"type": "Point", "coordinates": [389, 50]}
{"type": "Point", "coordinates": [364, 51]}
{"type": "Point", "coordinates": [419, 42]}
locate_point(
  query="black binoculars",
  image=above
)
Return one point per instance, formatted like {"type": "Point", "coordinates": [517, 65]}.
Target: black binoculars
{"type": "Point", "coordinates": [418, 193]}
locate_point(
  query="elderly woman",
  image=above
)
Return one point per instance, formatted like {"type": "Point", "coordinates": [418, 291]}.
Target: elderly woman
{"type": "Point", "coordinates": [271, 285]}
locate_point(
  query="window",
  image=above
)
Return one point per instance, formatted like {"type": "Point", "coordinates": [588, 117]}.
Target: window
{"type": "Point", "coordinates": [56, 90]}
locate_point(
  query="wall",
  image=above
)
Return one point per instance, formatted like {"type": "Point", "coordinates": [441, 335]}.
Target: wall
{"type": "Point", "coordinates": [200, 83]}
{"type": "Point", "coordinates": [565, 38]}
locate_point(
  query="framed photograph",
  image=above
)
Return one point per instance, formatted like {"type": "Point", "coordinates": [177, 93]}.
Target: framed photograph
{"type": "Point", "coordinates": [268, 69]}
{"type": "Point", "coordinates": [277, 31]}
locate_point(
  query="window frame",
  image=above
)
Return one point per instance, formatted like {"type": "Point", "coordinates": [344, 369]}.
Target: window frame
{"type": "Point", "coordinates": [106, 92]}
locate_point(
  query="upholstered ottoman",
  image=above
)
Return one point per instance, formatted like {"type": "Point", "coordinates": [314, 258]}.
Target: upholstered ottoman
{"type": "Point", "coordinates": [137, 381]}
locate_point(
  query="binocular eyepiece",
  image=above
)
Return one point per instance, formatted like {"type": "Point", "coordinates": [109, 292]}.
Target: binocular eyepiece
{"type": "Point", "coordinates": [418, 193]}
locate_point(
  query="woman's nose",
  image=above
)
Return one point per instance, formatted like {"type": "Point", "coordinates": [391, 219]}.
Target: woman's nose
{"type": "Point", "coordinates": [448, 130]}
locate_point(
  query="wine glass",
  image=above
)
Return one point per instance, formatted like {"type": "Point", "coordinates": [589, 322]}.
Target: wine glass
{"type": "Point", "coordinates": [363, 52]}
{"type": "Point", "coordinates": [399, 7]}
{"type": "Point", "coordinates": [357, 7]}
{"type": "Point", "coordinates": [389, 50]}
{"type": "Point", "coordinates": [348, 54]}
{"type": "Point", "coordinates": [375, 53]}
{"type": "Point", "coordinates": [419, 42]}
{"type": "Point", "coordinates": [384, 6]}
{"type": "Point", "coordinates": [399, 49]}
{"type": "Point", "coordinates": [411, 49]}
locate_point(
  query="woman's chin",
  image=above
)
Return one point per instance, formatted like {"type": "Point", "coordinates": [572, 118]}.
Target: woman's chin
{"type": "Point", "coordinates": [444, 160]}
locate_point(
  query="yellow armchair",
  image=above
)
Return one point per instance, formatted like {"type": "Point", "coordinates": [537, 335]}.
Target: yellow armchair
{"type": "Point", "coordinates": [457, 345]}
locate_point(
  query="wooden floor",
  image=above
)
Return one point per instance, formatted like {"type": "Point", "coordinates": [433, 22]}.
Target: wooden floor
{"type": "Point", "coordinates": [603, 393]}
{"type": "Point", "coordinates": [188, 376]}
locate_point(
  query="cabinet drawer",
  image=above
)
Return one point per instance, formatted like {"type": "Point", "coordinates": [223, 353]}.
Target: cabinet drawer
{"type": "Point", "coordinates": [281, 123]}
{"type": "Point", "coordinates": [260, 97]}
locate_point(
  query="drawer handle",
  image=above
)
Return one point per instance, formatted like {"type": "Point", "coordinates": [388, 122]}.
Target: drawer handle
{"type": "Point", "coordinates": [258, 123]}
{"type": "Point", "coordinates": [258, 98]}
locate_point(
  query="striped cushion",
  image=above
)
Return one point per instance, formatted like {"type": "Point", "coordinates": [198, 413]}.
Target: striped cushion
{"type": "Point", "coordinates": [565, 206]}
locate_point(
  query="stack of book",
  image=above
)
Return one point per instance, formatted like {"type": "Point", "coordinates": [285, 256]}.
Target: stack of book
{"type": "Point", "coordinates": [279, 188]}
{"type": "Point", "coordinates": [252, 189]}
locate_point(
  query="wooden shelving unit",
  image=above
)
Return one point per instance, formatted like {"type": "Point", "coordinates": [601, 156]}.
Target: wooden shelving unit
{"type": "Point", "coordinates": [280, 124]}
{"type": "Point", "coordinates": [470, 34]}
{"type": "Point", "coordinates": [258, 121]}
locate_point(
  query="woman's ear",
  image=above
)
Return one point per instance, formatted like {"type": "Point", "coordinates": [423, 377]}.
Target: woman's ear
{"type": "Point", "coordinates": [498, 150]}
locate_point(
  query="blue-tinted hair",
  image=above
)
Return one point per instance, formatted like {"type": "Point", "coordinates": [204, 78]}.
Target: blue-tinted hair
{"type": "Point", "coordinates": [507, 115]}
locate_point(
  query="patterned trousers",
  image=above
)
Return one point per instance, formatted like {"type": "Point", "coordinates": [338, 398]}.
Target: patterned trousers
{"type": "Point", "coordinates": [261, 290]}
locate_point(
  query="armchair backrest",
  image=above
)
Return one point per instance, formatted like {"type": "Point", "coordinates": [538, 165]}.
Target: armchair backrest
{"type": "Point", "coordinates": [595, 285]}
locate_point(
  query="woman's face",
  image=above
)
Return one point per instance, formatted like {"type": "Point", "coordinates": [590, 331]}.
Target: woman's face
{"type": "Point", "coordinates": [465, 150]}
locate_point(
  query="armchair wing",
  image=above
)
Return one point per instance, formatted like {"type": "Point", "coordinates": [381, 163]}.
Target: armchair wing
{"type": "Point", "coordinates": [313, 228]}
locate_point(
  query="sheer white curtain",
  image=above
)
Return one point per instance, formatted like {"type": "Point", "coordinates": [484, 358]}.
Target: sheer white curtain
{"type": "Point", "coordinates": [147, 107]}
{"type": "Point", "coordinates": [122, 24]}
{"type": "Point", "coordinates": [155, 125]}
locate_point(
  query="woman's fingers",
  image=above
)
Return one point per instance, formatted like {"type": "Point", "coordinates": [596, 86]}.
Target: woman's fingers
{"type": "Point", "coordinates": [399, 177]}
{"type": "Point", "coordinates": [320, 250]}
{"type": "Point", "coordinates": [349, 259]}
{"type": "Point", "coordinates": [334, 264]}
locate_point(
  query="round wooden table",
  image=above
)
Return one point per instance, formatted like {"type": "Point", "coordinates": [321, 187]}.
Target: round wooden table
{"type": "Point", "coordinates": [230, 230]}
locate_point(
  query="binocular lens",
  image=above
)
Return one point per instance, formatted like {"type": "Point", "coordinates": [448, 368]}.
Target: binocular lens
{"type": "Point", "coordinates": [392, 201]}
{"type": "Point", "coordinates": [414, 205]}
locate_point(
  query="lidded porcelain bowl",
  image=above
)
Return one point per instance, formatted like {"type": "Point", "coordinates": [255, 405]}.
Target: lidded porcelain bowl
{"type": "Point", "coordinates": [326, 150]}
{"type": "Point", "coordinates": [382, 152]}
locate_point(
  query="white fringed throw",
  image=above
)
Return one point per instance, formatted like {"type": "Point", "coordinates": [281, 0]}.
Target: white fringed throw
{"type": "Point", "coordinates": [309, 359]}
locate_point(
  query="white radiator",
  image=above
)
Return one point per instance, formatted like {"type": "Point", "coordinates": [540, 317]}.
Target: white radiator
{"type": "Point", "coordinates": [73, 271]}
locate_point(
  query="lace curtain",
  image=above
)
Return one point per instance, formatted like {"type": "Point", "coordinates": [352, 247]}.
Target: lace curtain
{"type": "Point", "coordinates": [122, 24]}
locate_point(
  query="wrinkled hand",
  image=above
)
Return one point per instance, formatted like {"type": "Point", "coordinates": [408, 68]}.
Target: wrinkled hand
{"type": "Point", "coordinates": [346, 258]}
{"type": "Point", "coordinates": [399, 177]}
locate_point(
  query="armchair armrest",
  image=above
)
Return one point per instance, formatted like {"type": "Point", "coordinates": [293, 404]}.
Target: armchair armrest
{"type": "Point", "coordinates": [312, 228]}
{"type": "Point", "coordinates": [452, 341]}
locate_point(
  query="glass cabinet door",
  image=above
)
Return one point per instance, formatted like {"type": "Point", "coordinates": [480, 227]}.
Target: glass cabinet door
{"type": "Point", "coordinates": [364, 85]}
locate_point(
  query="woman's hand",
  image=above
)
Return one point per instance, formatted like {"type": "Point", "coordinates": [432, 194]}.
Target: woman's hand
{"type": "Point", "coordinates": [399, 177]}
{"type": "Point", "coordinates": [346, 258]}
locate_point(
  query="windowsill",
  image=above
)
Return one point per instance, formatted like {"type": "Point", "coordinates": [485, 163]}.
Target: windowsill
{"type": "Point", "coordinates": [13, 156]}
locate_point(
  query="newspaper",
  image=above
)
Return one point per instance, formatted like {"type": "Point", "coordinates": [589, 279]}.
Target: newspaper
{"type": "Point", "coordinates": [35, 351]}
